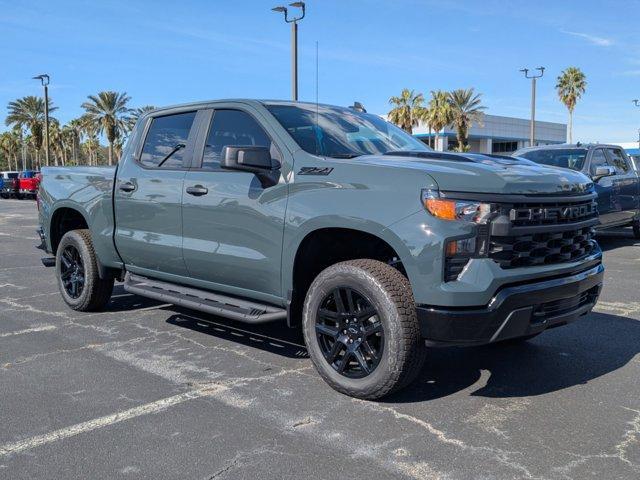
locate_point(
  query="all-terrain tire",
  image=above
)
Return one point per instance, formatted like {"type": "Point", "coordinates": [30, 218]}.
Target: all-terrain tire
{"type": "Point", "coordinates": [390, 293]}
{"type": "Point", "coordinates": [96, 291]}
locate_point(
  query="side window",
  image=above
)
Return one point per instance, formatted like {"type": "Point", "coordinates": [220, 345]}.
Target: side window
{"type": "Point", "coordinates": [232, 128]}
{"type": "Point", "coordinates": [617, 159]}
{"type": "Point", "coordinates": [598, 160]}
{"type": "Point", "coordinates": [166, 140]}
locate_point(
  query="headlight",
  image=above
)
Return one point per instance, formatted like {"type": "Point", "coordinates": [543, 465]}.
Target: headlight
{"type": "Point", "coordinates": [450, 209]}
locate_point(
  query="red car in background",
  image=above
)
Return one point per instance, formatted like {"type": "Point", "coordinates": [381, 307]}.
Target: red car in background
{"type": "Point", "coordinates": [29, 183]}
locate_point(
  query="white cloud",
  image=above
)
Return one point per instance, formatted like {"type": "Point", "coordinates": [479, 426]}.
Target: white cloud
{"type": "Point", "coordinates": [599, 41]}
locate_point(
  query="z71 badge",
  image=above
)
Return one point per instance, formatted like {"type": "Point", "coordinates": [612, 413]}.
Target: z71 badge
{"type": "Point", "coordinates": [315, 170]}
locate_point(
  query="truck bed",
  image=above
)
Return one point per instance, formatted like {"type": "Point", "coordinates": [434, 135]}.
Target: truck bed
{"type": "Point", "coordinates": [88, 190]}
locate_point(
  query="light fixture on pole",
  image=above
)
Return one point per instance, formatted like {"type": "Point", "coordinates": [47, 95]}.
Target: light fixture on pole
{"type": "Point", "coordinates": [294, 42]}
{"type": "Point", "coordinates": [533, 78]}
{"type": "Point", "coordinates": [44, 79]}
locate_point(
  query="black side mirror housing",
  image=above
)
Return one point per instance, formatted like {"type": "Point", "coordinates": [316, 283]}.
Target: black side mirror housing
{"type": "Point", "coordinates": [252, 159]}
{"type": "Point", "coordinates": [603, 171]}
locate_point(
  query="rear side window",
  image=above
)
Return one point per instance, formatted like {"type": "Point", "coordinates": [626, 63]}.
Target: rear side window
{"type": "Point", "coordinates": [616, 157]}
{"type": "Point", "coordinates": [233, 128]}
{"type": "Point", "coordinates": [166, 141]}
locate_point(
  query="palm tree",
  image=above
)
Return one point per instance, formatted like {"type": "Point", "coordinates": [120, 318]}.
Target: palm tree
{"type": "Point", "coordinates": [10, 147]}
{"type": "Point", "coordinates": [75, 129]}
{"type": "Point", "coordinates": [466, 109]}
{"type": "Point", "coordinates": [572, 83]}
{"type": "Point", "coordinates": [28, 113]}
{"type": "Point", "coordinates": [89, 130]}
{"type": "Point", "coordinates": [135, 115]}
{"type": "Point", "coordinates": [408, 110]}
{"type": "Point", "coordinates": [108, 111]}
{"type": "Point", "coordinates": [439, 112]}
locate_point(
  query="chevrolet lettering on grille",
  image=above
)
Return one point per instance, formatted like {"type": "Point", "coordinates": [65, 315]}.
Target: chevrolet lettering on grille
{"type": "Point", "coordinates": [572, 212]}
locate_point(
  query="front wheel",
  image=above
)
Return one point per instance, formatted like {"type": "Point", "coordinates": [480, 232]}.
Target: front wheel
{"type": "Point", "coordinates": [361, 329]}
{"type": "Point", "coordinates": [636, 229]}
{"type": "Point", "coordinates": [77, 273]}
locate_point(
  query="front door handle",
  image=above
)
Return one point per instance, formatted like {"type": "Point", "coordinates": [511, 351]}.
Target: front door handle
{"type": "Point", "coordinates": [197, 190]}
{"type": "Point", "coordinates": [127, 187]}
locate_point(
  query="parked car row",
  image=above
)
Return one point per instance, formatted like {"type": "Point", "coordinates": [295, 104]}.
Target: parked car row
{"type": "Point", "coordinates": [19, 184]}
{"type": "Point", "coordinates": [613, 172]}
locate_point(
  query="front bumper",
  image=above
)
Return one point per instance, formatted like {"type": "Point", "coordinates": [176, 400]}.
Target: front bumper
{"type": "Point", "coordinates": [515, 311]}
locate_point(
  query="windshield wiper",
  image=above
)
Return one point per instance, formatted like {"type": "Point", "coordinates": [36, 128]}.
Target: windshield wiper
{"type": "Point", "coordinates": [175, 149]}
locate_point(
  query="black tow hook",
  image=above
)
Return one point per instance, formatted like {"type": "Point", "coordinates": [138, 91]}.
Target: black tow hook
{"type": "Point", "coordinates": [48, 261]}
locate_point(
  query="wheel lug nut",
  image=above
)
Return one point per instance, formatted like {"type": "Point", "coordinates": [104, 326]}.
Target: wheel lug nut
{"type": "Point", "coordinates": [351, 340]}
{"type": "Point", "coordinates": [359, 339]}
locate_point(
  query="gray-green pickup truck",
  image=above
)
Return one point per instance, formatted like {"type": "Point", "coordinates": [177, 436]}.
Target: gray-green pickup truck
{"type": "Point", "coordinates": [331, 219]}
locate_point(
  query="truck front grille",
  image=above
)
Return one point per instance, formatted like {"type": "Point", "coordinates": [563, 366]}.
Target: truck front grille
{"type": "Point", "coordinates": [542, 248]}
{"type": "Point", "coordinates": [557, 213]}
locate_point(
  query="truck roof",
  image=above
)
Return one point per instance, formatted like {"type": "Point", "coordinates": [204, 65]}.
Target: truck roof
{"type": "Point", "coordinates": [247, 101]}
{"type": "Point", "coordinates": [559, 146]}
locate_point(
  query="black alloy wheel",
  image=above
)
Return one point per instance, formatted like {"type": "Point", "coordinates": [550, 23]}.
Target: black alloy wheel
{"type": "Point", "coordinates": [72, 271]}
{"type": "Point", "coordinates": [349, 332]}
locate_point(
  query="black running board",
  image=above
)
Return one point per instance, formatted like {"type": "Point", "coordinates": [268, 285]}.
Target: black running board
{"type": "Point", "coordinates": [202, 300]}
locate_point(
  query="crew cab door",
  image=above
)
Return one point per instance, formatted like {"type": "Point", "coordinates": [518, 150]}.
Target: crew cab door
{"type": "Point", "coordinates": [148, 196]}
{"type": "Point", "coordinates": [627, 183]}
{"type": "Point", "coordinates": [233, 224]}
{"type": "Point", "coordinates": [609, 208]}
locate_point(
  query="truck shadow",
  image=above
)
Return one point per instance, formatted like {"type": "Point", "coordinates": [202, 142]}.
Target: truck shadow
{"type": "Point", "coordinates": [557, 359]}
{"type": "Point", "coordinates": [616, 238]}
{"type": "Point", "coordinates": [273, 337]}
{"type": "Point", "coordinates": [571, 355]}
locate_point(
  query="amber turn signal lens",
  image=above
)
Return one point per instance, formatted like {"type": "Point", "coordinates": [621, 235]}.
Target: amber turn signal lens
{"type": "Point", "coordinates": [440, 208]}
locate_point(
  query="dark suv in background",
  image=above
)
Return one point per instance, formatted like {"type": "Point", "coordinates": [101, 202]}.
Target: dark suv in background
{"type": "Point", "coordinates": [612, 171]}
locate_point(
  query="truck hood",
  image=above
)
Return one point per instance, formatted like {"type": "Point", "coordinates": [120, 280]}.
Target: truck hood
{"type": "Point", "coordinates": [484, 174]}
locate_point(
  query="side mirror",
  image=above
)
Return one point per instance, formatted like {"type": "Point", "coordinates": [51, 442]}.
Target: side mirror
{"type": "Point", "coordinates": [603, 171]}
{"type": "Point", "coordinates": [252, 159]}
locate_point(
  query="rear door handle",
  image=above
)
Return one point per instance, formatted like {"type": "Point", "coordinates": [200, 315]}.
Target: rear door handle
{"type": "Point", "coordinates": [127, 187]}
{"type": "Point", "coordinates": [197, 190]}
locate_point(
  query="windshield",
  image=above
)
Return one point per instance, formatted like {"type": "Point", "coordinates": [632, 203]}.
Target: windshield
{"type": "Point", "coordinates": [342, 132]}
{"type": "Point", "coordinates": [572, 158]}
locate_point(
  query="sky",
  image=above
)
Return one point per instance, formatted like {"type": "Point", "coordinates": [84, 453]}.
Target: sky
{"type": "Point", "coordinates": [168, 52]}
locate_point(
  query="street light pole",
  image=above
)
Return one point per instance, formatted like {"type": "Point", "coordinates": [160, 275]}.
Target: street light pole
{"type": "Point", "coordinates": [533, 77]}
{"type": "Point", "coordinates": [636, 102]}
{"type": "Point", "coordinates": [294, 42]}
{"type": "Point", "coordinates": [44, 79]}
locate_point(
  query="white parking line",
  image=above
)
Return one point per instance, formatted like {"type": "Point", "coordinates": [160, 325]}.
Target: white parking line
{"type": "Point", "coordinates": [153, 407]}
{"type": "Point", "coordinates": [43, 328]}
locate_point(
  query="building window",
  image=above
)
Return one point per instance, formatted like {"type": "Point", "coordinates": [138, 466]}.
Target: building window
{"type": "Point", "coordinates": [504, 147]}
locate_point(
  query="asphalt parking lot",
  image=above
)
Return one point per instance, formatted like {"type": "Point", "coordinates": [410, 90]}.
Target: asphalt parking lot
{"type": "Point", "coordinates": [146, 390]}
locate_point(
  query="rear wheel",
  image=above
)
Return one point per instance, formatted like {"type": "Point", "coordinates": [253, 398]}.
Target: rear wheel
{"type": "Point", "coordinates": [77, 273]}
{"type": "Point", "coordinates": [361, 328]}
{"type": "Point", "coordinates": [636, 229]}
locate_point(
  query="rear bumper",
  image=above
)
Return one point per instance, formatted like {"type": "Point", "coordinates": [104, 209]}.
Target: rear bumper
{"type": "Point", "coordinates": [515, 311]}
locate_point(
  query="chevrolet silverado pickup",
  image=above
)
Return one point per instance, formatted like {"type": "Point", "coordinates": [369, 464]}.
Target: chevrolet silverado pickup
{"type": "Point", "coordinates": [332, 220]}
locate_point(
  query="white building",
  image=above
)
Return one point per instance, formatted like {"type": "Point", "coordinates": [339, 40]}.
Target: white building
{"type": "Point", "coordinates": [497, 135]}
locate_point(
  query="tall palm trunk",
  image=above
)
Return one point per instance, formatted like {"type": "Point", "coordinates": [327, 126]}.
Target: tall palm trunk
{"type": "Point", "coordinates": [110, 153]}
{"type": "Point", "coordinates": [570, 126]}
